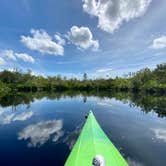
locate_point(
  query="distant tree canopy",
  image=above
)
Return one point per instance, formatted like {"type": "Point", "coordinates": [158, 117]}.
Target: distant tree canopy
{"type": "Point", "coordinates": [146, 79]}
{"type": "Point", "coordinates": [143, 80]}
{"type": "Point", "coordinates": [85, 77]}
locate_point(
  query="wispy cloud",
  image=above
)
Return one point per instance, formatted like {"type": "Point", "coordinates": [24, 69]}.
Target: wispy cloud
{"type": "Point", "coordinates": [59, 39]}
{"type": "Point", "coordinates": [100, 73]}
{"type": "Point", "coordinates": [26, 4]}
{"type": "Point", "coordinates": [160, 134]}
{"type": "Point", "coordinates": [104, 70]}
{"type": "Point", "coordinates": [105, 102]}
{"type": "Point", "coordinates": [71, 137]}
{"type": "Point", "coordinates": [66, 62]}
{"type": "Point", "coordinates": [8, 117]}
{"type": "Point", "coordinates": [93, 74]}
{"type": "Point", "coordinates": [133, 162]}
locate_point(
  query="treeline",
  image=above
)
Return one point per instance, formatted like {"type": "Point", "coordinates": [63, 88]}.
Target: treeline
{"type": "Point", "coordinates": [143, 80]}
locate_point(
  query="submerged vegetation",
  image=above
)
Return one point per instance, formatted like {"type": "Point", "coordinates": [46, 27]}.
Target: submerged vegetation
{"type": "Point", "coordinates": [144, 80]}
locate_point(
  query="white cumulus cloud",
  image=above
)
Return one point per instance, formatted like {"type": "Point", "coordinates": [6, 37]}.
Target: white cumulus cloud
{"type": "Point", "coordinates": [82, 37]}
{"type": "Point", "coordinates": [2, 61]}
{"type": "Point", "coordinates": [159, 43]}
{"type": "Point", "coordinates": [42, 42]}
{"type": "Point", "coordinates": [112, 13]}
{"type": "Point", "coordinates": [39, 133]}
{"type": "Point", "coordinates": [25, 57]}
{"type": "Point", "coordinates": [10, 54]}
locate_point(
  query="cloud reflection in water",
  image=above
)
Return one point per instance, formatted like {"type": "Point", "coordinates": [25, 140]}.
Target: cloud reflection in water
{"type": "Point", "coordinates": [8, 117]}
{"type": "Point", "coordinates": [160, 134]}
{"type": "Point", "coordinates": [39, 133]}
{"type": "Point", "coordinates": [132, 162]}
{"type": "Point", "coordinates": [71, 137]}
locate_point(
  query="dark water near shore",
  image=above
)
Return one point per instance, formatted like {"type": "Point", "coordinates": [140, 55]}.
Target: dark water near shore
{"type": "Point", "coordinates": [41, 128]}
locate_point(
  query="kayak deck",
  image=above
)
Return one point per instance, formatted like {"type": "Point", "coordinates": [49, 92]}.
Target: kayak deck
{"type": "Point", "coordinates": [91, 142]}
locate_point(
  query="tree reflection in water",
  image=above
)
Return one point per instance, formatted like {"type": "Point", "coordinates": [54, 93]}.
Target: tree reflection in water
{"type": "Point", "coordinates": [147, 102]}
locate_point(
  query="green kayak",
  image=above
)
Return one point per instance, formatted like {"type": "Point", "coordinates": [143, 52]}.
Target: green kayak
{"type": "Point", "coordinates": [93, 145]}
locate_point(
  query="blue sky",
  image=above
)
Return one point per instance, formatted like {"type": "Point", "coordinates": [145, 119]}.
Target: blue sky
{"type": "Point", "coordinates": [70, 37]}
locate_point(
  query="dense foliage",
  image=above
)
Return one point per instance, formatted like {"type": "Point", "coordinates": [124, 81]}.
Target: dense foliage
{"type": "Point", "coordinates": [143, 80]}
{"type": "Point", "coordinates": [4, 89]}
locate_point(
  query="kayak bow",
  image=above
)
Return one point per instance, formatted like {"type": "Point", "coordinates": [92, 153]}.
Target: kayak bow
{"type": "Point", "coordinates": [93, 142]}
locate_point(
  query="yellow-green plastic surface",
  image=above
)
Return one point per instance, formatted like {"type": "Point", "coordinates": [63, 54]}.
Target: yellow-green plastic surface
{"type": "Point", "coordinates": [91, 142]}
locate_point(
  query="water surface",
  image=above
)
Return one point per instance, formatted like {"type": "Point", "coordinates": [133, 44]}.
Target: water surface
{"type": "Point", "coordinates": [41, 129]}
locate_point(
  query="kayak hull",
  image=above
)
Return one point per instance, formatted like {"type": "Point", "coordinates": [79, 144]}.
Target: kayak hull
{"type": "Point", "coordinates": [91, 142]}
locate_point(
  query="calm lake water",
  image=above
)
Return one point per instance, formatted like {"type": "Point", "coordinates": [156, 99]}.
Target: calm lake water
{"type": "Point", "coordinates": [40, 129]}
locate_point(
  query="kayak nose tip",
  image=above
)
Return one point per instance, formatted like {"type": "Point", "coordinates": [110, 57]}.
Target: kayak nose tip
{"type": "Point", "coordinates": [90, 111]}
